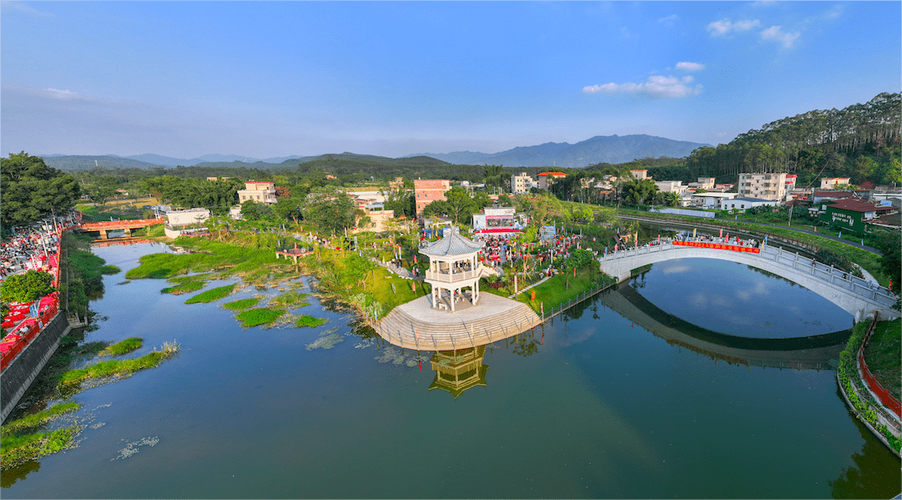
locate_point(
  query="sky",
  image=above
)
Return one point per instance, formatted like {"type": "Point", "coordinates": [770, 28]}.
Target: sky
{"type": "Point", "coordinates": [272, 79]}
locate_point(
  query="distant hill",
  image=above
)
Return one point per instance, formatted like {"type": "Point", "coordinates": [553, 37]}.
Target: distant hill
{"type": "Point", "coordinates": [78, 162]}
{"type": "Point", "coordinates": [599, 149]}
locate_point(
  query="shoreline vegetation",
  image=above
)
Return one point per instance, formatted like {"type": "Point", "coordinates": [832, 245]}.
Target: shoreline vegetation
{"type": "Point", "coordinates": [22, 437]}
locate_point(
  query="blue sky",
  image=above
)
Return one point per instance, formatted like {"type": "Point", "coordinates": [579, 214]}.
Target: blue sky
{"type": "Point", "coordinates": [268, 79]}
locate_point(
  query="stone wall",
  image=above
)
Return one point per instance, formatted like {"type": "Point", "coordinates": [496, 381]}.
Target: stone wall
{"type": "Point", "coordinates": [25, 368]}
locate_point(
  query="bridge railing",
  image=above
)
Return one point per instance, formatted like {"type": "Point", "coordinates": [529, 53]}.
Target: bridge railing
{"type": "Point", "coordinates": [798, 262]}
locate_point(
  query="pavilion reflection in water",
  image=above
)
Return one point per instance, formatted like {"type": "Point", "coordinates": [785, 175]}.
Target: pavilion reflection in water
{"type": "Point", "coordinates": [458, 370]}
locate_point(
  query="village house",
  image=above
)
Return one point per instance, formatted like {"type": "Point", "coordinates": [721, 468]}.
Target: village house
{"type": "Point", "coordinates": [259, 192]}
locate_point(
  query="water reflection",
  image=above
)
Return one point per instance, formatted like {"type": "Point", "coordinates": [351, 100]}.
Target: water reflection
{"type": "Point", "coordinates": [817, 352]}
{"type": "Point", "coordinates": [459, 370]}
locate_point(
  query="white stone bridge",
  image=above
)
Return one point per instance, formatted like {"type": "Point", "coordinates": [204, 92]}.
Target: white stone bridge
{"type": "Point", "coordinates": [855, 295]}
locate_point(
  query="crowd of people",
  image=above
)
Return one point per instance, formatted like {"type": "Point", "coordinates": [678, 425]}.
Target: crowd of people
{"type": "Point", "coordinates": [31, 247]}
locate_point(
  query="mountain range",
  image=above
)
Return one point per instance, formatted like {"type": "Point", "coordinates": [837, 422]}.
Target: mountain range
{"type": "Point", "coordinates": [598, 149]}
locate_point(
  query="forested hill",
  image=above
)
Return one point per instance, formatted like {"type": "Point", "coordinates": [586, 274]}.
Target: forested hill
{"type": "Point", "coordinates": [860, 142]}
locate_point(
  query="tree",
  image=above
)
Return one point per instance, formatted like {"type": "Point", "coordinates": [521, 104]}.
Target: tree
{"type": "Point", "coordinates": [637, 191]}
{"type": "Point", "coordinates": [494, 175]}
{"type": "Point", "coordinates": [460, 205]}
{"type": "Point", "coordinates": [27, 287]}
{"type": "Point", "coordinates": [32, 190]}
{"type": "Point", "coordinates": [101, 190]}
{"type": "Point", "coordinates": [329, 209]}
{"type": "Point", "coordinates": [891, 261]}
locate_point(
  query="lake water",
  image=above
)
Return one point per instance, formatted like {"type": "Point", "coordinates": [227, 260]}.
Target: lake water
{"type": "Point", "coordinates": [593, 406]}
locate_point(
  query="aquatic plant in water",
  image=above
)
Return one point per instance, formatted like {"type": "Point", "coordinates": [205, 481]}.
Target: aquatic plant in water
{"type": "Point", "coordinates": [311, 321]}
{"type": "Point", "coordinates": [327, 340]}
{"type": "Point", "coordinates": [124, 347]}
{"type": "Point", "coordinates": [258, 316]}
{"type": "Point", "coordinates": [212, 294]}
{"type": "Point", "coordinates": [241, 304]}
{"type": "Point", "coordinates": [132, 448]}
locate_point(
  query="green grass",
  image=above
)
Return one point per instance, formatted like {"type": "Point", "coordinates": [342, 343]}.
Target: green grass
{"type": "Point", "coordinates": [289, 299]}
{"type": "Point", "coordinates": [311, 321]}
{"type": "Point", "coordinates": [241, 304]}
{"type": "Point", "coordinates": [117, 368]}
{"type": "Point", "coordinates": [259, 316]}
{"type": "Point", "coordinates": [119, 348]}
{"type": "Point", "coordinates": [563, 287]}
{"type": "Point", "coordinates": [109, 269]}
{"type": "Point", "coordinates": [31, 422]}
{"type": "Point", "coordinates": [883, 355]}
{"type": "Point", "coordinates": [212, 294]}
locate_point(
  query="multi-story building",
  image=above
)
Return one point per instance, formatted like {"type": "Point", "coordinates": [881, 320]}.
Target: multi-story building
{"type": "Point", "coordinates": [706, 183]}
{"type": "Point", "coordinates": [546, 179]}
{"type": "Point", "coordinates": [832, 182]}
{"type": "Point", "coordinates": [640, 174]}
{"type": "Point", "coordinates": [765, 186]}
{"type": "Point", "coordinates": [259, 192]}
{"type": "Point", "coordinates": [429, 190]}
{"type": "Point", "coordinates": [671, 187]}
{"type": "Point", "coordinates": [521, 184]}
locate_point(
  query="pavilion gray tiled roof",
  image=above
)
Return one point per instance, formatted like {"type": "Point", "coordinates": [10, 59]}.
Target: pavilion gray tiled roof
{"type": "Point", "coordinates": [449, 246]}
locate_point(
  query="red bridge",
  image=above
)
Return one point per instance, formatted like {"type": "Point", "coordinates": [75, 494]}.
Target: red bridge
{"type": "Point", "coordinates": [118, 225]}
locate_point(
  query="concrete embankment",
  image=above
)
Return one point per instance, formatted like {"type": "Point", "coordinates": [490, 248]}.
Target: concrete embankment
{"type": "Point", "coordinates": [19, 375]}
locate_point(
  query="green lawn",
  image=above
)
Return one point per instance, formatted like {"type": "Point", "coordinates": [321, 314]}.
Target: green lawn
{"type": "Point", "coordinates": [884, 353]}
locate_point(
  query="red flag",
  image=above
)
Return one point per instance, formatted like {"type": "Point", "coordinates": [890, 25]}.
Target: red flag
{"type": "Point", "coordinates": [421, 365]}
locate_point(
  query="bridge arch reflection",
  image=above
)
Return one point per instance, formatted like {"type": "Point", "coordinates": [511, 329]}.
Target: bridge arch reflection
{"type": "Point", "coordinates": [817, 352]}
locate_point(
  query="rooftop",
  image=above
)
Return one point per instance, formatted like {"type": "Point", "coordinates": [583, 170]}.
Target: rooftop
{"type": "Point", "coordinates": [451, 245]}
{"type": "Point", "coordinates": [857, 206]}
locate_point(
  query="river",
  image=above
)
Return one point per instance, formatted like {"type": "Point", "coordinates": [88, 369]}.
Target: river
{"type": "Point", "coordinates": [593, 405]}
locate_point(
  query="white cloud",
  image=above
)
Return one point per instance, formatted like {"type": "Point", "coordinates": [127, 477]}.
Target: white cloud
{"type": "Point", "coordinates": [669, 20]}
{"type": "Point", "coordinates": [19, 6]}
{"type": "Point", "coordinates": [776, 34]}
{"type": "Point", "coordinates": [668, 87]}
{"type": "Point", "coordinates": [66, 95]}
{"type": "Point", "coordinates": [725, 26]}
{"type": "Point", "coordinates": [690, 66]}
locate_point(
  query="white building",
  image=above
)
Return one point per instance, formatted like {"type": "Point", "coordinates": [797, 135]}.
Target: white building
{"type": "Point", "coordinates": [764, 186]}
{"type": "Point", "coordinates": [745, 203]}
{"type": "Point", "coordinates": [832, 182]}
{"type": "Point", "coordinates": [671, 187]}
{"type": "Point", "coordinates": [259, 192]}
{"type": "Point", "coordinates": [185, 222]}
{"type": "Point", "coordinates": [495, 217]}
{"type": "Point", "coordinates": [521, 184]}
{"type": "Point", "coordinates": [713, 201]}
{"type": "Point", "coordinates": [706, 183]}
{"type": "Point", "coordinates": [640, 174]}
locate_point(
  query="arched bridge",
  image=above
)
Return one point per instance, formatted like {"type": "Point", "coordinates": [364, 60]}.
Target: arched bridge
{"type": "Point", "coordinates": [855, 295]}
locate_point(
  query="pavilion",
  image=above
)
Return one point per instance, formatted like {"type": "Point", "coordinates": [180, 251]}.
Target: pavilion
{"type": "Point", "coordinates": [453, 266]}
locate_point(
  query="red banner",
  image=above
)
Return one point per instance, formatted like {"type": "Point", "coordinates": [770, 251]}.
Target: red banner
{"type": "Point", "coordinates": [717, 246]}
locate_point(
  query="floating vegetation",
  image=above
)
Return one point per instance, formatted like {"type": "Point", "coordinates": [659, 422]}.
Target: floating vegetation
{"type": "Point", "coordinates": [110, 269]}
{"type": "Point", "coordinates": [259, 316]}
{"type": "Point", "coordinates": [115, 369]}
{"type": "Point", "coordinates": [119, 348]}
{"type": "Point", "coordinates": [132, 448]}
{"type": "Point", "coordinates": [124, 282]}
{"type": "Point", "coordinates": [290, 299]}
{"type": "Point", "coordinates": [364, 344]}
{"type": "Point", "coordinates": [311, 321]}
{"type": "Point", "coordinates": [31, 422]}
{"type": "Point", "coordinates": [20, 443]}
{"type": "Point", "coordinates": [18, 449]}
{"type": "Point", "coordinates": [394, 356]}
{"type": "Point", "coordinates": [241, 304]}
{"type": "Point", "coordinates": [212, 294]}
{"type": "Point", "coordinates": [327, 340]}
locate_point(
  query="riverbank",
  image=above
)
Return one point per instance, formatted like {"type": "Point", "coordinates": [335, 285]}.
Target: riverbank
{"type": "Point", "coordinates": [857, 394]}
